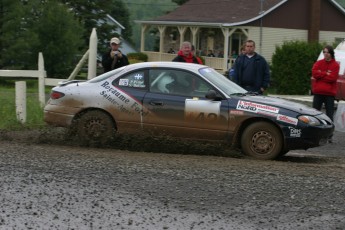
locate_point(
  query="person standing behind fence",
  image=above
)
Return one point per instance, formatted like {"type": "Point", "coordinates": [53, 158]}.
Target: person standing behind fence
{"type": "Point", "coordinates": [114, 58]}
{"type": "Point", "coordinates": [251, 70]}
{"type": "Point", "coordinates": [324, 87]}
{"type": "Point", "coordinates": [185, 54]}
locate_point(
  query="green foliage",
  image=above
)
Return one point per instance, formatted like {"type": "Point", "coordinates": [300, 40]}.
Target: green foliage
{"type": "Point", "coordinates": [58, 43]}
{"type": "Point", "coordinates": [146, 10]}
{"type": "Point", "coordinates": [16, 38]}
{"type": "Point", "coordinates": [180, 2]}
{"type": "Point", "coordinates": [92, 14]}
{"type": "Point", "coordinates": [291, 66]}
{"type": "Point", "coordinates": [121, 14]}
{"type": "Point", "coordinates": [8, 119]}
{"type": "Point", "coordinates": [30, 27]}
{"type": "Point", "coordinates": [138, 56]}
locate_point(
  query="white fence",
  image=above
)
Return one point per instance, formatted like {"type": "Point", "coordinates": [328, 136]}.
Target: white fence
{"type": "Point", "coordinates": [43, 81]}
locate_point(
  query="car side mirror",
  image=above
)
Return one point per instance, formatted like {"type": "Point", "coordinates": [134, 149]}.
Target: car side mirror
{"type": "Point", "coordinates": [212, 95]}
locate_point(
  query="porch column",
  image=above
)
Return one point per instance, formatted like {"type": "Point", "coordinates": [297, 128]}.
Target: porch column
{"type": "Point", "coordinates": [194, 30]}
{"type": "Point", "coordinates": [142, 40]}
{"type": "Point", "coordinates": [161, 40]}
{"type": "Point", "coordinates": [182, 31]}
{"type": "Point", "coordinates": [245, 32]}
{"type": "Point", "coordinates": [227, 33]}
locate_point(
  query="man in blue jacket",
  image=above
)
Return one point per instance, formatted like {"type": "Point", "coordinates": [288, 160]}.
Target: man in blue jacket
{"type": "Point", "coordinates": [251, 70]}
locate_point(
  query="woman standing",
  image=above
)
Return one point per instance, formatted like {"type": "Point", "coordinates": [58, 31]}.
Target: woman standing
{"type": "Point", "coordinates": [324, 88]}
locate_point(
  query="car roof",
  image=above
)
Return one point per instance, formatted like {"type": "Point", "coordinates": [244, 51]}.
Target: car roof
{"type": "Point", "coordinates": [180, 65]}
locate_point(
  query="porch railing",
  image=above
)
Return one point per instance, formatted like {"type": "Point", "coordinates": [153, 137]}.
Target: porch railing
{"type": "Point", "coordinates": [213, 62]}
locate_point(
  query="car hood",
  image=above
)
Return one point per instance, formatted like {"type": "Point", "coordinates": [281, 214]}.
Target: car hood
{"type": "Point", "coordinates": [283, 103]}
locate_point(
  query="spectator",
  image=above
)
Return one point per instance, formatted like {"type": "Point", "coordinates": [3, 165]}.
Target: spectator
{"type": "Point", "coordinates": [185, 54]}
{"type": "Point", "coordinates": [114, 58]}
{"type": "Point", "coordinates": [251, 70]}
{"type": "Point", "coordinates": [210, 54]}
{"type": "Point", "coordinates": [234, 54]}
{"type": "Point", "coordinates": [221, 54]}
{"type": "Point", "coordinates": [232, 70]}
{"type": "Point", "coordinates": [197, 58]}
{"type": "Point", "coordinates": [324, 87]}
{"type": "Point", "coordinates": [171, 51]}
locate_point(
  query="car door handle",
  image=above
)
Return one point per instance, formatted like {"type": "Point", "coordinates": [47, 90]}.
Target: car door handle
{"type": "Point", "coordinates": [160, 103]}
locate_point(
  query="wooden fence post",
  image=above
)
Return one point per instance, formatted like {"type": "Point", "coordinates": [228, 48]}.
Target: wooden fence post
{"type": "Point", "coordinates": [92, 66]}
{"type": "Point", "coordinates": [41, 80]}
{"type": "Point", "coordinates": [21, 101]}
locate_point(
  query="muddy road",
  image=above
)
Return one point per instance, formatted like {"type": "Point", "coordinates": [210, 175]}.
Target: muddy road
{"type": "Point", "coordinates": [49, 183]}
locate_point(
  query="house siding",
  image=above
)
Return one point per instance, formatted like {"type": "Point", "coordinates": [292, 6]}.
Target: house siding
{"type": "Point", "coordinates": [330, 37]}
{"type": "Point", "coordinates": [272, 37]}
{"type": "Point", "coordinates": [292, 20]}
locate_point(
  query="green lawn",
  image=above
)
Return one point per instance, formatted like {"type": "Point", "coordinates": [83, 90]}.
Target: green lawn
{"type": "Point", "coordinates": [34, 112]}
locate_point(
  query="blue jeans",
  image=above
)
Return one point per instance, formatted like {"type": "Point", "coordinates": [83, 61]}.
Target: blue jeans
{"type": "Point", "coordinates": [318, 100]}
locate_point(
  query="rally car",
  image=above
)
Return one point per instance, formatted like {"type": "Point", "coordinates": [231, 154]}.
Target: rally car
{"type": "Point", "coordinates": [184, 100]}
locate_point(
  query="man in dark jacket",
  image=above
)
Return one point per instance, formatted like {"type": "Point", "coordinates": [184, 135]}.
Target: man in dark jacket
{"type": "Point", "coordinates": [114, 58]}
{"type": "Point", "coordinates": [251, 70]}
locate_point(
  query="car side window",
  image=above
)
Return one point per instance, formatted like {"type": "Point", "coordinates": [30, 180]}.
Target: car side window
{"type": "Point", "coordinates": [177, 82]}
{"type": "Point", "coordinates": [133, 80]}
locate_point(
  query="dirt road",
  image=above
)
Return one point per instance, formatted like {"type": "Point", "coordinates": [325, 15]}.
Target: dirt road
{"type": "Point", "coordinates": [49, 184]}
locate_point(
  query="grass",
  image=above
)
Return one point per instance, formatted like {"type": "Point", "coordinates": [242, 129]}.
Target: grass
{"type": "Point", "coordinates": [34, 112]}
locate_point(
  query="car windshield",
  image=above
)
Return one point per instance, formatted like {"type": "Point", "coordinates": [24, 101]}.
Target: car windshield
{"type": "Point", "coordinates": [106, 75]}
{"type": "Point", "coordinates": [227, 86]}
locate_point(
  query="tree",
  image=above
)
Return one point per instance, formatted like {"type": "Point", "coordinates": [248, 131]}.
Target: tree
{"type": "Point", "coordinates": [180, 2]}
{"type": "Point", "coordinates": [16, 37]}
{"type": "Point", "coordinates": [291, 66]}
{"type": "Point", "coordinates": [30, 27]}
{"type": "Point", "coordinates": [59, 38]}
{"type": "Point", "coordinates": [121, 14]}
{"type": "Point", "coordinates": [93, 14]}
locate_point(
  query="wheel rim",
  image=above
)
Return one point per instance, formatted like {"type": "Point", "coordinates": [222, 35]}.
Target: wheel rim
{"type": "Point", "coordinates": [262, 142]}
{"type": "Point", "coordinates": [94, 128]}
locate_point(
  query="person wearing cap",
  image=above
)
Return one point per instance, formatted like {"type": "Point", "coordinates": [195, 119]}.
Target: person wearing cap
{"type": "Point", "coordinates": [114, 58]}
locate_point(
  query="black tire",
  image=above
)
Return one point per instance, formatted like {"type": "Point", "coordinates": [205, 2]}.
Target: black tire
{"type": "Point", "coordinates": [262, 140]}
{"type": "Point", "coordinates": [95, 128]}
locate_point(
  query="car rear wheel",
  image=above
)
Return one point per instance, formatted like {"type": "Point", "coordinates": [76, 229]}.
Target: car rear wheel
{"type": "Point", "coordinates": [95, 128]}
{"type": "Point", "coordinates": [262, 140]}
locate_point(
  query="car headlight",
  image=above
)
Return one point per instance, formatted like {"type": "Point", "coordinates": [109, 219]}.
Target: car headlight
{"type": "Point", "coordinates": [309, 120]}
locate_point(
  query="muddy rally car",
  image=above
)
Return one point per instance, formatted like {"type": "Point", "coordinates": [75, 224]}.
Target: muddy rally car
{"type": "Point", "coordinates": [184, 100]}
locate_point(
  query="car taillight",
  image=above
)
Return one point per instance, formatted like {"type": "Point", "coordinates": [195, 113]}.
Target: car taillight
{"type": "Point", "coordinates": [56, 95]}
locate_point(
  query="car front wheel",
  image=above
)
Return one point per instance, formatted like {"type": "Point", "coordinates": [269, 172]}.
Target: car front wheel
{"type": "Point", "coordinates": [262, 140]}
{"type": "Point", "coordinates": [95, 128]}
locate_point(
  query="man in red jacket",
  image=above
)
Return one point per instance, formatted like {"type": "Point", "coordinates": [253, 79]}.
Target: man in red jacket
{"type": "Point", "coordinates": [186, 55]}
{"type": "Point", "coordinates": [324, 87]}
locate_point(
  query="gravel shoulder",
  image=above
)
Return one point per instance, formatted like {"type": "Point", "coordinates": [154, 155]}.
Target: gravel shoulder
{"type": "Point", "coordinates": [48, 183]}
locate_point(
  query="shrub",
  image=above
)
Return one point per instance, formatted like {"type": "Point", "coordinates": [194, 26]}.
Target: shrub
{"type": "Point", "coordinates": [291, 66]}
{"type": "Point", "coordinates": [137, 57]}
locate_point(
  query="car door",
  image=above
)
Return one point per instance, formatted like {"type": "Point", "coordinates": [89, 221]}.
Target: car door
{"type": "Point", "coordinates": [176, 105]}
{"type": "Point", "coordinates": [128, 108]}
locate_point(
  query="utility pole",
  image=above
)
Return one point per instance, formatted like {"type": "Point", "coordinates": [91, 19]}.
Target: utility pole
{"type": "Point", "coordinates": [261, 12]}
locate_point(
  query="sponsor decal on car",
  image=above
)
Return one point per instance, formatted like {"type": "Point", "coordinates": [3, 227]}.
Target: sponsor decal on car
{"type": "Point", "coordinates": [287, 119]}
{"type": "Point", "coordinates": [257, 108]}
{"type": "Point", "coordinates": [295, 132]}
{"type": "Point", "coordinates": [120, 100]}
{"type": "Point", "coordinates": [202, 109]}
{"type": "Point", "coordinates": [137, 82]}
{"type": "Point", "coordinates": [236, 112]}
